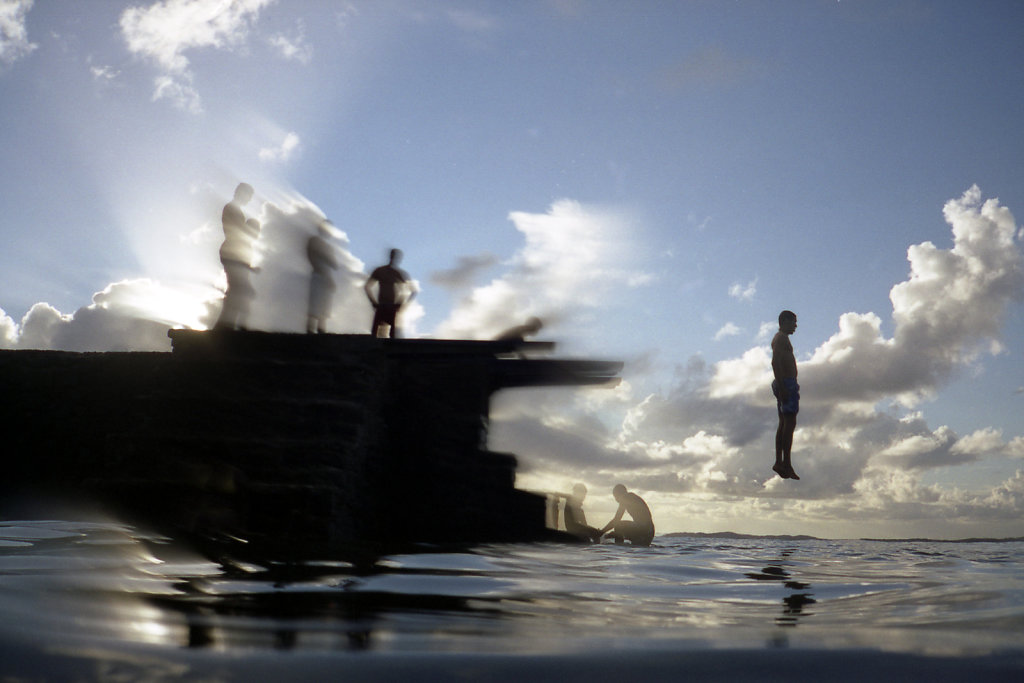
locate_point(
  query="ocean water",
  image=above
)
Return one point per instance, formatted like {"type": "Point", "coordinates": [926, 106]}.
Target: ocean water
{"type": "Point", "coordinates": [101, 600]}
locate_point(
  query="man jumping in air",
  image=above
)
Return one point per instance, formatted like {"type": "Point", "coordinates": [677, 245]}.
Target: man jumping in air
{"type": "Point", "coordinates": [787, 393]}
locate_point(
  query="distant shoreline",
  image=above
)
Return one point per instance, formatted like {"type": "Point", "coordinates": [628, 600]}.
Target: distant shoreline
{"type": "Point", "coordinates": [734, 535]}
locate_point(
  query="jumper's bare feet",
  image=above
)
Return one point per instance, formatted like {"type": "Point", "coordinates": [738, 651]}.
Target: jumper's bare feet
{"type": "Point", "coordinates": [785, 470]}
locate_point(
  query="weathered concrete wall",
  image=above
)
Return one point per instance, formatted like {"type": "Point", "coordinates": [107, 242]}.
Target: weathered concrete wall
{"type": "Point", "coordinates": [290, 441]}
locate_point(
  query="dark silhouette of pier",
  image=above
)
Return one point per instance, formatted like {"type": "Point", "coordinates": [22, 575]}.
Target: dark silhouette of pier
{"type": "Point", "coordinates": [298, 443]}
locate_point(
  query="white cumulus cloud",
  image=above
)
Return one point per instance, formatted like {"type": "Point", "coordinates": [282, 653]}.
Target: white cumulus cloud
{"type": "Point", "coordinates": [14, 42]}
{"type": "Point", "coordinates": [293, 46]}
{"type": "Point", "coordinates": [131, 315]}
{"type": "Point", "coordinates": [744, 292]}
{"type": "Point", "coordinates": [284, 151]}
{"type": "Point", "coordinates": [702, 443]}
{"type": "Point", "coordinates": [165, 31]}
{"type": "Point", "coordinates": [712, 432]}
{"type": "Point", "coordinates": [727, 330]}
{"type": "Point", "coordinates": [573, 257]}
{"type": "Point", "coordinates": [135, 314]}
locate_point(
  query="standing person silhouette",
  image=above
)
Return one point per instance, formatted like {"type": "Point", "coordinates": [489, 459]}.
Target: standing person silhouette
{"type": "Point", "coordinates": [394, 290]}
{"type": "Point", "coordinates": [324, 261]}
{"type": "Point", "coordinates": [236, 255]}
{"type": "Point", "coordinates": [640, 531]}
{"type": "Point", "coordinates": [787, 394]}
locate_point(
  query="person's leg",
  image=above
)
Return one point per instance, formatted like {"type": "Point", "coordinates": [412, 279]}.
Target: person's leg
{"type": "Point", "coordinates": [787, 427]}
{"type": "Point", "coordinates": [389, 320]}
{"type": "Point", "coordinates": [245, 295]}
{"type": "Point", "coordinates": [228, 319]}
{"type": "Point", "coordinates": [780, 432]}
{"type": "Point", "coordinates": [638, 535]}
{"type": "Point", "coordinates": [780, 440]}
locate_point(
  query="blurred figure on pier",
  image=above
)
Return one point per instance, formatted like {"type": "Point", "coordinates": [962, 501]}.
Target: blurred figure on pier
{"type": "Point", "coordinates": [323, 259]}
{"type": "Point", "coordinates": [520, 332]}
{"type": "Point", "coordinates": [639, 531]}
{"type": "Point", "coordinates": [575, 519]}
{"type": "Point", "coordinates": [237, 253]}
{"type": "Point", "coordinates": [394, 289]}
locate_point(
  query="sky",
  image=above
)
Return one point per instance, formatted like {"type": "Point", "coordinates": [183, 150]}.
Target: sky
{"type": "Point", "coordinates": [655, 180]}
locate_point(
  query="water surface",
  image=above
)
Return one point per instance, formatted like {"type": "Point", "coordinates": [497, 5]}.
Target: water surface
{"type": "Point", "coordinates": [103, 600]}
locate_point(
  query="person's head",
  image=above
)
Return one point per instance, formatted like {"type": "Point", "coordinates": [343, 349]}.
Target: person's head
{"type": "Point", "coordinates": [579, 492]}
{"type": "Point", "coordinates": [787, 321]}
{"type": "Point", "coordinates": [395, 257]}
{"type": "Point", "coordinates": [618, 492]}
{"type": "Point", "coordinates": [243, 193]}
{"type": "Point", "coordinates": [534, 324]}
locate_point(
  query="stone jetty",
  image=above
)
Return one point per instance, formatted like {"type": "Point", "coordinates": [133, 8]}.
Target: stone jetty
{"type": "Point", "coordinates": [294, 443]}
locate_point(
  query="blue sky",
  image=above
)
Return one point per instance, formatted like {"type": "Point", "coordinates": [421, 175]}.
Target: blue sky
{"type": "Point", "coordinates": [655, 179]}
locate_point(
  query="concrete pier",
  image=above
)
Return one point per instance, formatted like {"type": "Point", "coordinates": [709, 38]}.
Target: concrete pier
{"type": "Point", "coordinates": [300, 443]}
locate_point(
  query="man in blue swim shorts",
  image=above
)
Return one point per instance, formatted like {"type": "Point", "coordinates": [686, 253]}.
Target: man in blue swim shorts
{"type": "Point", "coordinates": [787, 394]}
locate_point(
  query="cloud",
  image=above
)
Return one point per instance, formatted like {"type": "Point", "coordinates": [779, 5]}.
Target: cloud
{"type": "Point", "coordinates": [294, 46]}
{"type": "Point", "coordinates": [700, 444]}
{"type": "Point", "coordinates": [711, 433]}
{"type": "Point", "coordinates": [14, 42]}
{"type": "Point", "coordinates": [946, 314]}
{"type": "Point", "coordinates": [283, 152]}
{"type": "Point", "coordinates": [166, 30]}
{"type": "Point", "coordinates": [132, 315]}
{"type": "Point", "coordinates": [727, 330]}
{"type": "Point", "coordinates": [949, 311]}
{"type": "Point", "coordinates": [573, 259]}
{"type": "Point", "coordinates": [135, 314]}
{"type": "Point", "coordinates": [179, 91]}
{"type": "Point", "coordinates": [346, 15]}
{"type": "Point", "coordinates": [766, 331]}
{"type": "Point", "coordinates": [980, 443]}
{"type": "Point", "coordinates": [465, 271]}
{"type": "Point", "coordinates": [104, 74]}
{"type": "Point", "coordinates": [8, 331]}
{"type": "Point", "coordinates": [744, 293]}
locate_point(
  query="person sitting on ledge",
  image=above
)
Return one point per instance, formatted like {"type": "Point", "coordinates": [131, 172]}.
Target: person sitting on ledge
{"type": "Point", "coordinates": [639, 531]}
{"type": "Point", "coordinates": [575, 519]}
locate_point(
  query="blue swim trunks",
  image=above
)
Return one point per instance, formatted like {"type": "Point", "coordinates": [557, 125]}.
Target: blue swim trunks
{"type": "Point", "coordinates": [792, 404]}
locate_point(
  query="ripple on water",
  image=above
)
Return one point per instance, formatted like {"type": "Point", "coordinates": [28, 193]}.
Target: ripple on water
{"type": "Point", "coordinates": [62, 579]}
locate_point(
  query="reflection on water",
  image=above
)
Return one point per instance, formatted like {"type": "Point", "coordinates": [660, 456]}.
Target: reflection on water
{"type": "Point", "coordinates": [793, 603]}
{"type": "Point", "coordinates": [105, 587]}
